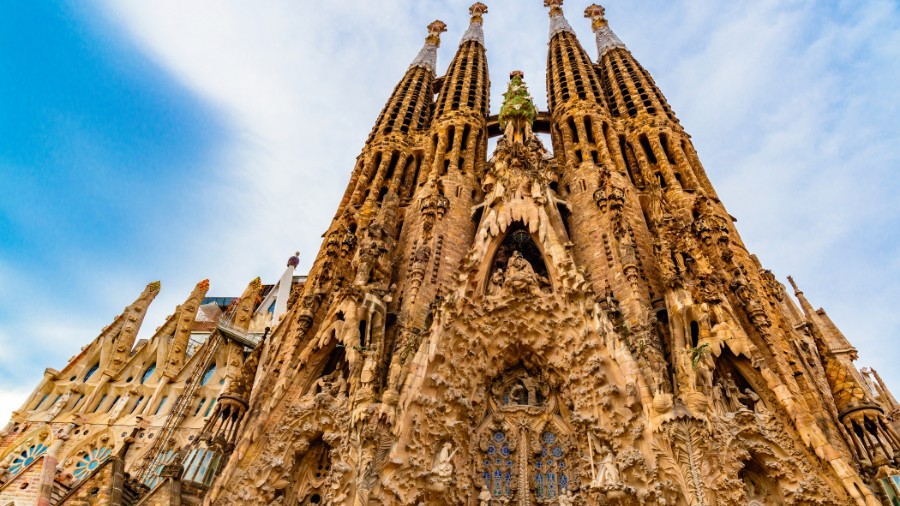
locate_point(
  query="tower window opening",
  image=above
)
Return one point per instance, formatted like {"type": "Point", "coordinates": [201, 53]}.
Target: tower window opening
{"type": "Point", "coordinates": [578, 156]}
{"type": "Point", "coordinates": [661, 180]}
{"type": "Point", "coordinates": [573, 130]}
{"type": "Point", "coordinates": [464, 141]}
{"type": "Point", "coordinates": [588, 129]}
{"type": "Point", "coordinates": [451, 133]}
{"type": "Point", "coordinates": [461, 164]}
{"type": "Point", "coordinates": [446, 166]}
{"type": "Point", "coordinates": [664, 141]}
{"type": "Point", "coordinates": [382, 193]}
{"type": "Point", "coordinates": [392, 166]}
{"type": "Point", "coordinates": [678, 178]}
{"type": "Point", "coordinates": [630, 163]}
{"type": "Point", "coordinates": [648, 150]}
{"type": "Point", "coordinates": [594, 157]}
{"type": "Point", "coordinates": [416, 181]}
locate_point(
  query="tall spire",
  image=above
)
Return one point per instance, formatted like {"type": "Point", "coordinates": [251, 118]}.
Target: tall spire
{"type": "Point", "coordinates": [558, 21]}
{"type": "Point", "coordinates": [475, 31]}
{"type": "Point", "coordinates": [133, 316]}
{"type": "Point", "coordinates": [606, 38]}
{"type": "Point", "coordinates": [427, 57]}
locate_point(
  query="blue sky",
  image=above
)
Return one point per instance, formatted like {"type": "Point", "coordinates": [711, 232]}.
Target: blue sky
{"type": "Point", "coordinates": [179, 141]}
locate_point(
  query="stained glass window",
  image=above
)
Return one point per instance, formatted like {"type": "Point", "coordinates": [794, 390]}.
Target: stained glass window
{"type": "Point", "coordinates": [209, 407]}
{"type": "Point", "coordinates": [498, 466]}
{"type": "Point", "coordinates": [102, 399]}
{"type": "Point", "coordinates": [44, 398]}
{"type": "Point", "coordinates": [91, 371]}
{"type": "Point", "coordinates": [26, 457]}
{"type": "Point", "coordinates": [148, 373]}
{"type": "Point", "coordinates": [551, 474]}
{"type": "Point", "coordinates": [199, 406]}
{"type": "Point", "coordinates": [165, 459]}
{"type": "Point", "coordinates": [161, 404]}
{"type": "Point", "coordinates": [90, 461]}
{"type": "Point", "coordinates": [208, 375]}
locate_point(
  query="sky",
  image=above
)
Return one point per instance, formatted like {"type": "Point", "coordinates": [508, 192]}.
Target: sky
{"type": "Point", "coordinates": [178, 141]}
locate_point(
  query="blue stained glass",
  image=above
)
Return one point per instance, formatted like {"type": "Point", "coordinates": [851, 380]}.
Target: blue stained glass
{"type": "Point", "coordinates": [539, 485]}
{"type": "Point", "coordinates": [90, 461]}
{"type": "Point", "coordinates": [543, 451]}
{"type": "Point", "coordinates": [487, 478]}
{"type": "Point", "coordinates": [538, 464]}
{"type": "Point", "coordinates": [91, 371]}
{"type": "Point", "coordinates": [27, 457]}
{"type": "Point", "coordinates": [499, 437]}
{"type": "Point", "coordinates": [148, 373]}
{"type": "Point", "coordinates": [509, 462]}
{"type": "Point", "coordinates": [491, 450]}
{"type": "Point", "coordinates": [551, 485]}
{"type": "Point", "coordinates": [563, 482]}
{"type": "Point", "coordinates": [487, 462]}
{"type": "Point", "coordinates": [508, 480]}
{"type": "Point", "coordinates": [549, 463]}
{"type": "Point", "coordinates": [208, 375]}
{"type": "Point", "coordinates": [561, 464]}
{"type": "Point", "coordinates": [498, 462]}
{"type": "Point", "coordinates": [498, 485]}
{"type": "Point", "coordinates": [504, 450]}
{"type": "Point", "coordinates": [549, 438]}
{"type": "Point", "coordinates": [557, 452]}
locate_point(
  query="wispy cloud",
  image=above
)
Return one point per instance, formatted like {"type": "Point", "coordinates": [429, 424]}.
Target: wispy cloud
{"type": "Point", "coordinates": [790, 103]}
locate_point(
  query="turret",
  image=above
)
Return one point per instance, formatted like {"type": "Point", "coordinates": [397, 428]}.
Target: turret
{"type": "Point", "coordinates": [450, 181]}
{"type": "Point", "coordinates": [874, 440]}
{"type": "Point", "coordinates": [655, 146]}
{"type": "Point", "coordinates": [389, 160]}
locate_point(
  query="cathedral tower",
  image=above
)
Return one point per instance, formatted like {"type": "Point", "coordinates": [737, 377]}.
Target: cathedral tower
{"type": "Point", "coordinates": [570, 324]}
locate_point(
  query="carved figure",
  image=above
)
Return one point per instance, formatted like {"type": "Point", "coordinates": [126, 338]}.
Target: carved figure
{"type": "Point", "coordinates": [607, 474]}
{"type": "Point", "coordinates": [443, 467]}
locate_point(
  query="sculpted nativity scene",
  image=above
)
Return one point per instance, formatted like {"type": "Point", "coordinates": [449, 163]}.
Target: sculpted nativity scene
{"type": "Point", "coordinates": [572, 324]}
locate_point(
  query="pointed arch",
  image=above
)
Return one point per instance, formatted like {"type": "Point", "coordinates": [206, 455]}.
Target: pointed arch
{"type": "Point", "coordinates": [26, 448]}
{"type": "Point", "coordinates": [517, 237]}
{"type": "Point", "coordinates": [83, 459]}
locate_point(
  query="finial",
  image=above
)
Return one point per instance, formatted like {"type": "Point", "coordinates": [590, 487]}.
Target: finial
{"type": "Point", "coordinates": [596, 14]}
{"type": "Point", "coordinates": [154, 286]}
{"type": "Point", "coordinates": [606, 38]}
{"type": "Point", "coordinates": [794, 285]}
{"type": "Point", "coordinates": [555, 7]}
{"type": "Point", "coordinates": [435, 29]}
{"type": "Point", "coordinates": [477, 10]}
{"type": "Point", "coordinates": [558, 21]}
{"type": "Point", "coordinates": [294, 261]}
{"type": "Point", "coordinates": [256, 283]}
{"type": "Point", "coordinates": [203, 285]}
{"type": "Point", "coordinates": [475, 32]}
{"type": "Point", "coordinates": [517, 112]}
{"type": "Point", "coordinates": [427, 57]}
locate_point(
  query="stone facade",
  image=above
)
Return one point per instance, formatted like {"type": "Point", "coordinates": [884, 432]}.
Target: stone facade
{"type": "Point", "coordinates": [576, 326]}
